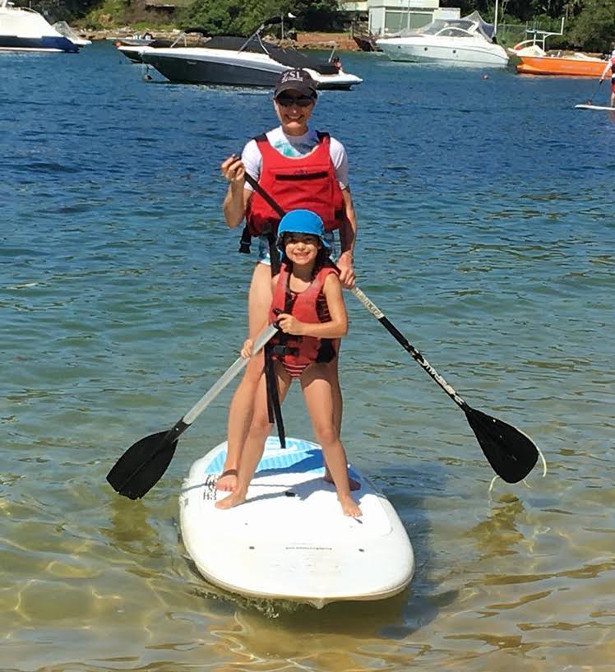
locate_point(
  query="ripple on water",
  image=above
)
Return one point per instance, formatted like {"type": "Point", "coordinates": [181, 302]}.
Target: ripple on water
{"type": "Point", "coordinates": [485, 237]}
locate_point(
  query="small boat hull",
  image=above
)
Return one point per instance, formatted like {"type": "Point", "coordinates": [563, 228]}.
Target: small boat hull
{"type": "Point", "coordinates": [50, 43]}
{"type": "Point", "coordinates": [564, 67]}
{"type": "Point", "coordinates": [194, 67]}
{"type": "Point", "coordinates": [201, 65]}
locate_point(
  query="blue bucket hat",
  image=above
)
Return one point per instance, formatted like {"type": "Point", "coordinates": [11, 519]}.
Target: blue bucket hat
{"type": "Point", "coordinates": [302, 221]}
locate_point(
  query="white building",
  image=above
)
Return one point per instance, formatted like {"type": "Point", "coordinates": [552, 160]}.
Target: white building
{"type": "Point", "coordinates": [392, 16]}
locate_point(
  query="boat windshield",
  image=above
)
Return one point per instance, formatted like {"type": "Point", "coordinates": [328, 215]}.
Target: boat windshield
{"type": "Point", "coordinates": [443, 27]}
{"type": "Point", "coordinates": [467, 26]}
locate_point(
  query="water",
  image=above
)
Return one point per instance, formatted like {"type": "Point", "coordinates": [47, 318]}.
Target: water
{"type": "Point", "coordinates": [487, 237]}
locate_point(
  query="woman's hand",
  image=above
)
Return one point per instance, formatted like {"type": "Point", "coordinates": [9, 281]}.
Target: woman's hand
{"type": "Point", "coordinates": [233, 170]}
{"type": "Point", "coordinates": [347, 274]}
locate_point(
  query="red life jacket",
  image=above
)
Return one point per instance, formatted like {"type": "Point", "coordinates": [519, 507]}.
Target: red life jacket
{"type": "Point", "coordinates": [305, 182]}
{"type": "Point", "coordinates": [304, 306]}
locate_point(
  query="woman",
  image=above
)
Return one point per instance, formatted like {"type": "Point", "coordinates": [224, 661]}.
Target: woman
{"type": "Point", "coordinates": [610, 65]}
{"type": "Point", "coordinates": [297, 167]}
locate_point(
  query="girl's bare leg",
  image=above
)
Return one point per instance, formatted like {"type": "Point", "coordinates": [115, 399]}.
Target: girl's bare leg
{"type": "Point", "coordinates": [255, 442]}
{"type": "Point", "coordinates": [338, 407]}
{"type": "Point", "coordinates": [318, 393]}
{"type": "Point", "coordinates": [242, 404]}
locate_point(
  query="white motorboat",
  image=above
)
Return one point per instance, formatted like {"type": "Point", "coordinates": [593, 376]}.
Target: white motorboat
{"type": "Point", "coordinates": [468, 42]}
{"type": "Point", "coordinates": [235, 61]}
{"type": "Point", "coordinates": [23, 29]}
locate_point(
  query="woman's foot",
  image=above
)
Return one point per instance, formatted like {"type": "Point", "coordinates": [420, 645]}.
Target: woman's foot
{"type": "Point", "coordinates": [354, 485]}
{"type": "Point", "coordinates": [227, 481]}
{"type": "Point", "coordinates": [349, 506]}
{"type": "Point", "coordinates": [234, 499]}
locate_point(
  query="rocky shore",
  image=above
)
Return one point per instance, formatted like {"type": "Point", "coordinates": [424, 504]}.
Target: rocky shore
{"type": "Point", "coordinates": [322, 41]}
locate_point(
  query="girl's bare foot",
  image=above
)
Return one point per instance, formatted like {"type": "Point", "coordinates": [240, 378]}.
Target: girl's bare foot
{"type": "Point", "coordinates": [234, 499]}
{"type": "Point", "coordinates": [354, 485]}
{"type": "Point", "coordinates": [350, 507]}
{"type": "Point", "coordinates": [227, 480]}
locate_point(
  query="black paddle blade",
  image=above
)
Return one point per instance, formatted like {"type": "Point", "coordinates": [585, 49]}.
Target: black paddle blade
{"type": "Point", "coordinates": [510, 452]}
{"type": "Point", "coordinates": [142, 465]}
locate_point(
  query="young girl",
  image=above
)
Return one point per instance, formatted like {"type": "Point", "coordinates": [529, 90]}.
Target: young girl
{"type": "Point", "coordinates": [308, 293]}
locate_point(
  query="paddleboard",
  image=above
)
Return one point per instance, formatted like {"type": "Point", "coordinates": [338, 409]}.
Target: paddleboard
{"type": "Point", "coordinates": [588, 106]}
{"type": "Point", "coordinates": [290, 540]}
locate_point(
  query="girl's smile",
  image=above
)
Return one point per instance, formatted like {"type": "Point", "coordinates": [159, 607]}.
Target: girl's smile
{"type": "Point", "coordinates": [301, 248]}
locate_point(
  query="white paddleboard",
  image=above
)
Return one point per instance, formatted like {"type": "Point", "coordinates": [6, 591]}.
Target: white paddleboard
{"type": "Point", "coordinates": [290, 540]}
{"type": "Point", "coordinates": [588, 106]}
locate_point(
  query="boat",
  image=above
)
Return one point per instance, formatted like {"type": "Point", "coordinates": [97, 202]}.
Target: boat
{"type": "Point", "coordinates": [468, 42]}
{"type": "Point", "coordinates": [235, 61]}
{"type": "Point", "coordinates": [535, 60]}
{"type": "Point", "coordinates": [23, 29]}
{"type": "Point", "coordinates": [290, 540]}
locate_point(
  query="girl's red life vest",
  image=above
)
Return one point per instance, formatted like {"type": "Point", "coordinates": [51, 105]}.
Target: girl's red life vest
{"type": "Point", "coordinates": [308, 306]}
{"type": "Point", "coordinates": [304, 182]}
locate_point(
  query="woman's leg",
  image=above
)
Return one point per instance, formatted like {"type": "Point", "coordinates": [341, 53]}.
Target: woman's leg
{"type": "Point", "coordinates": [242, 404]}
{"type": "Point", "coordinates": [255, 442]}
{"type": "Point", "coordinates": [318, 392]}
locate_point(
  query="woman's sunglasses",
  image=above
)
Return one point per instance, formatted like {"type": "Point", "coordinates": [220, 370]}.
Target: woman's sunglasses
{"type": "Point", "coordinates": [287, 101]}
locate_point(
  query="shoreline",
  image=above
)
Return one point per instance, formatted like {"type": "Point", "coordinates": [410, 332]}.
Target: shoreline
{"type": "Point", "coordinates": [320, 41]}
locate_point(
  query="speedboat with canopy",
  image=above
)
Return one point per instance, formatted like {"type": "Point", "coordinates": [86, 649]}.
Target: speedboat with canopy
{"type": "Point", "coordinates": [23, 29]}
{"type": "Point", "coordinates": [468, 42]}
{"type": "Point", "coordinates": [235, 61]}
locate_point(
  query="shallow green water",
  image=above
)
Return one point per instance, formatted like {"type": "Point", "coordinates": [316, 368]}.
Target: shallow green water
{"type": "Point", "coordinates": [488, 239]}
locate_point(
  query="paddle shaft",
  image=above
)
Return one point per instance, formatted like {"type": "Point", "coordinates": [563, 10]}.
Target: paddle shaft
{"type": "Point", "coordinates": [378, 314]}
{"type": "Point", "coordinates": [403, 341]}
{"type": "Point", "coordinates": [595, 92]}
{"type": "Point", "coordinates": [226, 378]}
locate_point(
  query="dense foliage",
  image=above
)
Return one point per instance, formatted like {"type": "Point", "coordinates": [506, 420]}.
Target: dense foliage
{"type": "Point", "coordinates": [590, 24]}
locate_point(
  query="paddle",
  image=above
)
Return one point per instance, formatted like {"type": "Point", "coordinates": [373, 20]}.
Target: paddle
{"type": "Point", "coordinates": [510, 452]}
{"type": "Point", "coordinates": [591, 100]}
{"type": "Point", "coordinates": [144, 463]}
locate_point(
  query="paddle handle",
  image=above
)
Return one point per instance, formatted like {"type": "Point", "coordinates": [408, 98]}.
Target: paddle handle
{"type": "Point", "coordinates": [260, 341]}
{"type": "Point", "coordinates": [403, 341]}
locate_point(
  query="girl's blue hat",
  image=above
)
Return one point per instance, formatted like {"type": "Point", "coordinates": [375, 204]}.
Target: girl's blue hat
{"type": "Point", "coordinates": [302, 221]}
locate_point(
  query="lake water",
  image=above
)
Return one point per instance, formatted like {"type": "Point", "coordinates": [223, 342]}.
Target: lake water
{"type": "Point", "coordinates": [486, 236]}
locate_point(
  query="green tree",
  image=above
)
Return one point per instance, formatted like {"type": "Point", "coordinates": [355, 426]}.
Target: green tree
{"type": "Point", "coordinates": [244, 17]}
{"type": "Point", "coordinates": [594, 28]}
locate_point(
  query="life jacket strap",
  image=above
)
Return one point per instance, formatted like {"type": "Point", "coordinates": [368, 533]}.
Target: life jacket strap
{"type": "Point", "coordinates": [274, 408]}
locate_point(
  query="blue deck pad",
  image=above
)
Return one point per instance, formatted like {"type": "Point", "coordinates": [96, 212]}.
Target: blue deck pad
{"type": "Point", "coordinates": [299, 456]}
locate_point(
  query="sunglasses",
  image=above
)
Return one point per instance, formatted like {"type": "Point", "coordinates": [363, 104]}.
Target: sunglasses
{"type": "Point", "coordinates": [287, 101]}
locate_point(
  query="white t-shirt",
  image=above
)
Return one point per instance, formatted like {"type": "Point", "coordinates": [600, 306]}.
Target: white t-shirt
{"type": "Point", "coordinates": [295, 146]}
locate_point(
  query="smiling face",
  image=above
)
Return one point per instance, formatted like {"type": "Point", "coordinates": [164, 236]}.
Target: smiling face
{"type": "Point", "coordinates": [301, 248]}
{"type": "Point", "coordinates": [294, 110]}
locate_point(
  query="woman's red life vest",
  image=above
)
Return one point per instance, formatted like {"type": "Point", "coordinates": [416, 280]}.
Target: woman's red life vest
{"type": "Point", "coordinates": [308, 306]}
{"type": "Point", "coordinates": [303, 182]}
